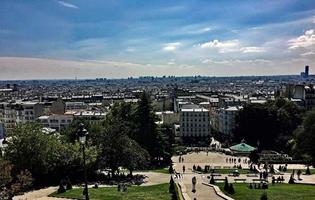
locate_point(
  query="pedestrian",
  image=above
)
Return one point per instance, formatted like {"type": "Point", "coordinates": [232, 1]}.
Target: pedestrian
{"type": "Point", "coordinates": [183, 169]}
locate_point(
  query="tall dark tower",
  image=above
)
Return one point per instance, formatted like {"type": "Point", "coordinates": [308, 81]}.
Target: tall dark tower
{"type": "Point", "coordinates": [306, 71]}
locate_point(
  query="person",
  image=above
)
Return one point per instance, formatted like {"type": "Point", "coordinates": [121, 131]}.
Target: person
{"type": "Point", "coordinates": [299, 172]}
{"type": "Point", "coordinates": [182, 159]}
{"type": "Point", "coordinates": [183, 169]}
{"type": "Point", "coordinates": [193, 181]}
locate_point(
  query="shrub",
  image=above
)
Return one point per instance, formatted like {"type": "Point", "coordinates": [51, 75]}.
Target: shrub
{"type": "Point", "coordinates": [212, 181]}
{"type": "Point", "coordinates": [61, 188]}
{"type": "Point", "coordinates": [308, 172]}
{"type": "Point", "coordinates": [171, 188]}
{"type": "Point", "coordinates": [291, 180]}
{"type": "Point", "coordinates": [231, 189]}
{"type": "Point", "coordinates": [226, 184]}
{"type": "Point", "coordinates": [264, 196]}
{"type": "Point", "coordinates": [170, 169]}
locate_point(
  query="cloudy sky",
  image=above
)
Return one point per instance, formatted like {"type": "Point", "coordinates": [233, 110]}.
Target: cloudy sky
{"type": "Point", "coordinates": [120, 38]}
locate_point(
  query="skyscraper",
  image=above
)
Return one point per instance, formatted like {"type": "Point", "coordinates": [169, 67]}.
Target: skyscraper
{"type": "Point", "coordinates": [306, 71]}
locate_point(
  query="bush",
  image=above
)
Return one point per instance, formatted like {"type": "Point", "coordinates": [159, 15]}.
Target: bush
{"type": "Point", "coordinates": [212, 181]}
{"type": "Point", "coordinates": [291, 180]}
{"type": "Point", "coordinates": [308, 172]}
{"type": "Point", "coordinates": [171, 189]}
{"type": "Point", "coordinates": [231, 189]}
{"type": "Point", "coordinates": [69, 185]}
{"type": "Point", "coordinates": [226, 184]}
{"type": "Point", "coordinates": [61, 188]}
{"type": "Point", "coordinates": [170, 169]}
{"type": "Point", "coordinates": [264, 196]}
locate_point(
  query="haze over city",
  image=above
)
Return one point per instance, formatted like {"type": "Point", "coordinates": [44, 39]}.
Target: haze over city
{"type": "Point", "coordinates": [87, 39]}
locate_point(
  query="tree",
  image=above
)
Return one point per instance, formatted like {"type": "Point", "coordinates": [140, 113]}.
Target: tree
{"type": "Point", "coordinates": [305, 139]}
{"type": "Point", "coordinates": [272, 124]}
{"type": "Point", "coordinates": [45, 156]}
{"type": "Point", "coordinates": [254, 156]}
{"type": "Point", "coordinates": [118, 150]}
{"type": "Point", "coordinates": [146, 132]}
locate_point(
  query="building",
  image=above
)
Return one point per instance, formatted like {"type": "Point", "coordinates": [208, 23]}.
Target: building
{"type": "Point", "coordinates": [194, 122]}
{"type": "Point", "coordinates": [56, 122]}
{"type": "Point", "coordinates": [19, 112]}
{"type": "Point", "coordinates": [58, 107]}
{"type": "Point", "coordinates": [2, 131]}
{"type": "Point", "coordinates": [76, 106]}
{"type": "Point", "coordinates": [226, 119]}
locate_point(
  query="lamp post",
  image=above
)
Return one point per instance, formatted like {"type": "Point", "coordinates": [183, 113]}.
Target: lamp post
{"type": "Point", "coordinates": [82, 133]}
{"type": "Point", "coordinates": [4, 145]}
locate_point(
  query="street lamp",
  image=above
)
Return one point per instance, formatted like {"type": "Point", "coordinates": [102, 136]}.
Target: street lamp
{"type": "Point", "coordinates": [82, 133]}
{"type": "Point", "coordinates": [4, 145]}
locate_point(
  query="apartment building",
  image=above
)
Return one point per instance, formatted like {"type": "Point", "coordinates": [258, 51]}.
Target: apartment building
{"type": "Point", "coordinates": [19, 112]}
{"type": "Point", "coordinates": [194, 122]}
{"type": "Point", "coordinates": [55, 121]}
{"type": "Point", "coordinates": [226, 119]}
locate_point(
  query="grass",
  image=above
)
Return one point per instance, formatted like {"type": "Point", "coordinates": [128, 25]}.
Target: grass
{"type": "Point", "coordinates": [154, 192]}
{"type": "Point", "coordinates": [274, 192]}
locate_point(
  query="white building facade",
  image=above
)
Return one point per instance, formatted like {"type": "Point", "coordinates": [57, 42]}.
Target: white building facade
{"type": "Point", "coordinates": [194, 122]}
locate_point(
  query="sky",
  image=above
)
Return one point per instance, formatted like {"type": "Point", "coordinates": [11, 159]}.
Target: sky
{"type": "Point", "coordinates": [54, 39]}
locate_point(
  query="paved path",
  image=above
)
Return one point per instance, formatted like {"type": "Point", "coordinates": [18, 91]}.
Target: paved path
{"type": "Point", "coordinates": [41, 194]}
{"type": "Point", "coordinates": [203, 192]}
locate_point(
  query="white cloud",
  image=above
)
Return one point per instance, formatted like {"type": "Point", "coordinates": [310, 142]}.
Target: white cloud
{"type": "Point", "coordinates": [252, 49]}
{"type": "Point", "coordinates": [236, 61]}
{"type": "Point", "coordinates": [230, 46]}
{"type": "Point", "coordinates": [222, 46]}
{"type": "Point", "coordinates": [68, 5]}
{"type": "Point", "coordinates": [307, 40]}
{"type": "Point", "coordinates": [171, 46]}
{"type": "Point", "coordinates": [130, 50]}
{"type": "Point", "coordinates": [310, 53]}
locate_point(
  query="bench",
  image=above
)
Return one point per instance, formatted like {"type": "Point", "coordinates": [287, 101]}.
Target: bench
{"type": "Point", "coordinates": [260, 180]}
{"type": "Point", "coordinates": [219, 180]}
{"type": "Point", "coordinates": [252, 175]}
{"type": "Point", "coordinates": [215, 174]}
{"type": "Point", "coordinates": [240, 180]}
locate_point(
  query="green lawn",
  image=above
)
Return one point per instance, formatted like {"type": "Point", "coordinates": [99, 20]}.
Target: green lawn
{"type": "Point", "coordinates": [155, 192]}
{"type": "Point", "coordinates": [276, 192]}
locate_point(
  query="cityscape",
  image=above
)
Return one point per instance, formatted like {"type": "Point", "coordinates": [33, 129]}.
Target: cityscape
{"type": "Point", "coordinates": [180, 100]}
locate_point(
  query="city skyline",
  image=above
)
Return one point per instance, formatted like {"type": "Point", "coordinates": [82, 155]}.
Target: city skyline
{"type": "Point", "coordinates": [115, 39]}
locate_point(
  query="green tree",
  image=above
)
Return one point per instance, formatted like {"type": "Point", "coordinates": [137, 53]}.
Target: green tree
{"type": "Point", "coordinates": [46, 157]}
{"type": "Point", "coordinates": [305, 138]}
{"type": "Point", "coordinates": [146, 132]}
{"type": "Point", "coordinates": [271, 124]}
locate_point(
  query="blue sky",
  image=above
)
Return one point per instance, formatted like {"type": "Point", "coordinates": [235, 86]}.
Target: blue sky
{"type": "Point", "coordinates": [121, 38]}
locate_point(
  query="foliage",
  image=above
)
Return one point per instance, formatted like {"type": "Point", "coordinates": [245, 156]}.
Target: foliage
{"type": "Point", "coordinates": [305, 139]}
{"type": "Point", "coordinates": [291, 180]}
{"type": "Point", "coordinates": [231, 189]}
{"type": "Point", "coordinates": [270, 125]}
{"type": "Point", "coordinates": [254, 156]}
{"type": "Point", "coordinates": [226, 184]}
{"type": "Point", "coordinates": [172, 186]}
{"type": "Point", "coordinates": [46, 157]}
{"type": "Point", "coordinates": [212, 181]}
{"type": "Point", "coordinates": [5, 172]}
{"type": "Point", "coordinates": [264, 196]}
